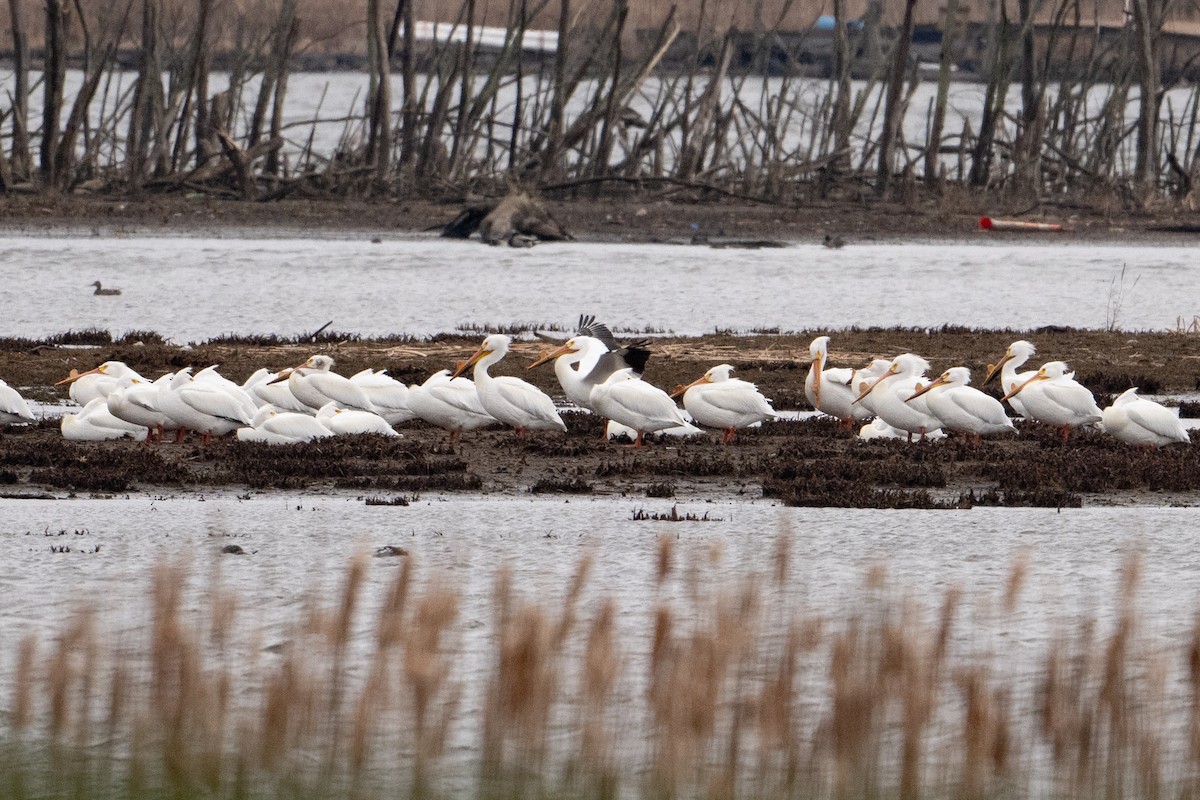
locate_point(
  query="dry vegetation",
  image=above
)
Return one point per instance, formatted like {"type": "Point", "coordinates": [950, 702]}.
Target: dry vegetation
{"type": "Point", "coordinates": [724, 687]}
{"type": "Point", "coordinates": [463, 118]}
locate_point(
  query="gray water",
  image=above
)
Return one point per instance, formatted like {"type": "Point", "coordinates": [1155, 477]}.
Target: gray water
{"type": "Point", "coordinates": [194, 289]}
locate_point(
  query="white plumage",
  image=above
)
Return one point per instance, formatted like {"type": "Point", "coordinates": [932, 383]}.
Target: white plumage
{"type": "Point", "coordinates": [13, 408]}
{"type": "Point", "coordinates": [204, 405]}
{"type": "Point", "coordinates": [1017, 354]}
{"type": "Point", "coordinates": [273, 425]}
{"type": "Point", "coordinates": [831, 390]}
{"type": "Point", "coordinates": [1138, 421]}
{"type": "Point", "coordinates": [98, 382]}
{"type": "Point", "coordinates": [630, 401]}
{"type": "Point", "coordinates": [718, 400]}
{"type": "Point", "coordinates": [1053, 397]}
{"type": "Point", "coordinates": [388, 395]}
{"type": "Point", "coordinates": [510, 400]}
{"type": "Point", "coordinates": [315, 384]}
{"type": "Point", "coordinates": [962, 408]}
{"type": "Point", "coordinates": [891, 391]}
{"type": "Point", "coordinates": [95, 424]}
{"type": "Point", "coordinates": [449, 403]}
{"type": "Point", "coordinates": [350, 421]}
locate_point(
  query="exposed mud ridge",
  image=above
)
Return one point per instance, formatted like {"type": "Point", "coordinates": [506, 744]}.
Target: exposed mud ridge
{"type": "Point", "coordinates": [798, 462]}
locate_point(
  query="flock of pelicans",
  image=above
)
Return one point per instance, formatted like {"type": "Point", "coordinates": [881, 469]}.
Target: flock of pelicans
{"type": "Point", "coordinates": [894, 398]}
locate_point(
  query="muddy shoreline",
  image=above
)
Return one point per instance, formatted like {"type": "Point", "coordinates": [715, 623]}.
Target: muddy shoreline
{"type": "Point", "coordinates": [800, 462]}
{"type": "Point", "coordinates": [611, 217]}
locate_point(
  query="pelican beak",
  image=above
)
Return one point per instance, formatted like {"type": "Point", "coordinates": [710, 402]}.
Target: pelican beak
{"type": "Point", "coordinates": [1017, 390]}
{"type": "Point", "coordinates": [816, 371]}
{"type": "Point", "coordinates": [76, 375]}
{"type": "Point", "coordinates": [875, 383]}
{"type": "Point", "coordinates": [566, 349]}
{"type": "Point", "coordinates": [462, 367]}
{"type": "Point", "coordinates": [923, 389]}
{"type": "Point", "coordinates": [681, 389]}
{"type": "Point", "coordinates": [283, 375]}
{"type": "Point", "coordinates": [994, 369]}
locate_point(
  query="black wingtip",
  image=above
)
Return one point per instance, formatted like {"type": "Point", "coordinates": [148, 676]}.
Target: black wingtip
{"type": "Point", "coordinates": [636, 357]}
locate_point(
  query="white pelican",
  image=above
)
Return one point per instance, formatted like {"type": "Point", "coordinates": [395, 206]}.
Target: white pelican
{"type": "Point", "coordinates": [1138, 421]}
{"type": "Point", "coordinates": [388, 395]}
{"type": "Point", "coordinates": [315, 384]}
{"type": "Point", "coordinates": [13, 408]}
{"type": "Point", "coordinates": [345, 422]}
{"type": "Point", "coordinates": [717, 400]}
{"type": "Point", "coordinates": [510, 400]}
{"type": "Point", "coordinates": [962, 408]}
{"type": "Point", "coordinates": [864, 378]}
{"type": "Point", "coordinates": [136, 401]}
{"type": "Point", "coordinates": [449, 403]}
{"type": "Point", "coordinates": [95, 424]}
{"type": "Point", "coordinates": [274, 389]}
{"type": "Point", "coordinates": [891, 391]}
{"type": "Point", "coordinates": [98, 382]}
{"type": "Point", "coordinates": [1053, 397]}
{"type": "Point", "coordinates": [584, 362]}
{"type": "Point", "coordinates": [831, 391]}
{"type": "Point", "coordinates": [276, 426]}
{"type": "Point", "coordinates": [630, 401]}
{"type": "Point", "coordinates": [1015, 356]}
{"type": "Point", "coordinates": [204, 405]}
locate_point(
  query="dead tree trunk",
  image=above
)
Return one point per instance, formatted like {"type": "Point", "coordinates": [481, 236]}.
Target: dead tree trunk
{"type": "Point", "coordinates": [379, 133]}
{"type": "Point", "coordinates": [146, 99]}
{"type": "Point", "coordinates": [55, 75]}
{"type": "Point", "coordinates": [1147, 24]}
{"type": "Point", "coordinates": [933, 154]}
{"type": "Point", "coordinates": [892, 107]}
{"type": "Point", "coordinates": [19, 163]}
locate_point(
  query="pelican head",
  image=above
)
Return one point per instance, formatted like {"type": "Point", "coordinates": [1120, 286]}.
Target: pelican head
{"type": "Point", "coordinates": [1019, 351]}
{"type": "Point", "coordinates": [955, 376]}
{"type": "Point", "coordinates": [1049, 371]}
{"type": "Point", "coordinates": [118, 368]}
{"type": "Point", "coordinates": [318, 363]}
{"type": "Point", "coordinates": [496, 343]}
{"type": "Point", "coordinates": [571, 346]}
{"type": "Point", "coordinates": [819, 349]}
{"type": "Point", "coordinates": [721, 372]}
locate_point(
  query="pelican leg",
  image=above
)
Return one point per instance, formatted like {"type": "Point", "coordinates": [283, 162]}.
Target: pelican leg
{"type": "Point", "coordinates": [521, 433]}
{"type": "Point", "coordinates": [455, 435]}
{"type": "Point", "coordinates": [1066, 433]}
{"type": "Point", "coordinates": [179, 434]}
{"type": "Point", "coordinates": [149, 435]}
{"type": "Point", "coordinates": [638, 441]}
{"type": "Point", "coordinates": [206, 438]}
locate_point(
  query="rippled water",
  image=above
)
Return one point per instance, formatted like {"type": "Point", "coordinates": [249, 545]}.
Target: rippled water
{"type": "Point", "coordinates": [301, 543]}
{"type": "Point", "coordinates": [193, 289]}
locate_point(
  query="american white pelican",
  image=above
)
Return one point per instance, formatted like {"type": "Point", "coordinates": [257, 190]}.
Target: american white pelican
{"type": "Point", "coordinates": [510, 400]}
{"type": "Point", "coordinates": [388, 395]}
{"type": "Point", "coordinates": [632, 402]}
{"type": "Point", "coordinates": [864, 378]}
{"type": "Point", "coordinates": [1014, 357]}
{"type": "Point", "coordinates": [449, 403]}
{"type": "Point", "coordinates": [204, 405]}
{"type": "Point", "coordinates": [344, 422]}
{"type": "Point", "coordinates": [276, 426]}
{"type": "Point", "coordinates": [831, 390]}
{"type": "Point", "coordinates": [962, 408]}
{"type": "Point", "coordinates": [1053, 397]}
{"type": "Point", "coordinates": [136, 401]}
{"type": "Point", "coordinates": [1138, 421]}
{"type": "Point", "coordinates": [584, 362]}
{"type": "Point", "coordinates": [274, 389]}
{"type": "Point", "coordinates": [98, 382]}
{"type": "Point", "coordinates": [315, 384]}
{"type": "Point", "coordinates": [13, 408]}
{"type": "Point", "coordinates": [878, 429]}
{"type": "Point", "coordinates": [95, 424]}
{"type": "Point", "coordinates": [891, 391]}
{"type": "Point", "coordinates": [718, 400]}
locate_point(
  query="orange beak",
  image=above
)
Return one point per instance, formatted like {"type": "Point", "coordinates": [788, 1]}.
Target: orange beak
{"type": "Point", "coordinates": [75, 375]}
{"type": "Point", "coordinates": [816, 371]}
{"type": "Point", "coordinates": [941, 381]}
{"type": "Point", "coordinates": [681, 389]}
{"type": "Point", "coordinates": [1017, 390]}
{"type": "Point", "coordinates": [994, 369]}
{"type": "Point", "coordinates": [566, 349]}
{"type": "Point", "coordinates": [463, 365]}
{"type": "Point", "coordinates": [283, 375]}
{"type": "Point", "coordinates": [876, 382]}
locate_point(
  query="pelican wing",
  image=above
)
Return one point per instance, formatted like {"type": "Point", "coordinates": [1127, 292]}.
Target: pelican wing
{"type": "Point", "coordinates": [1156, 419]}
{"type": "Point", "coordinates": [339, 388]}
{"type": "Point", "coordinates": [744, 399]}
{"type": "Point", "coordinates": [640, 399]}
{"type": "Point", "coordinates": [839, 375]}
{"type": "Point", "coordinates": [12, 403]}
{"type": "Point", "coordinates": [215, 403]}
{"type": "Point", "coordinates": [525, 396]}
{"type": "Point", "coordinates": [462, 396]}
{"type": "Point", "coordinates": [1073, 396]}
{"type": "Point", "coordinates": [597, 330]}
{"type": "Point", "coordinates": [977, 404]}
{"type": "Point", "coordinates": [295, 426]}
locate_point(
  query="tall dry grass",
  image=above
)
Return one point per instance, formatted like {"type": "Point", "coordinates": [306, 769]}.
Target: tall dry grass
{"type": "Point", "coordinates": [724, 690]}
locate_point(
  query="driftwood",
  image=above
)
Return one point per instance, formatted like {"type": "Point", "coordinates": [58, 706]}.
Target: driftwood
{"type": "Point", "coordinates": [516, 218]}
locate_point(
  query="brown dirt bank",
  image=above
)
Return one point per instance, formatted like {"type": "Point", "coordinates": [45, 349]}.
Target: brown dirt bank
{"type": "Point", "coordinates": [663, 216]}
{"type": "Point", "coordinates": [804, 462]}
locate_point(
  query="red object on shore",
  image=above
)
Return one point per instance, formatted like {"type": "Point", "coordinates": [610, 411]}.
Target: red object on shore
{"type": "Point", "coordinates": [989, 224]}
